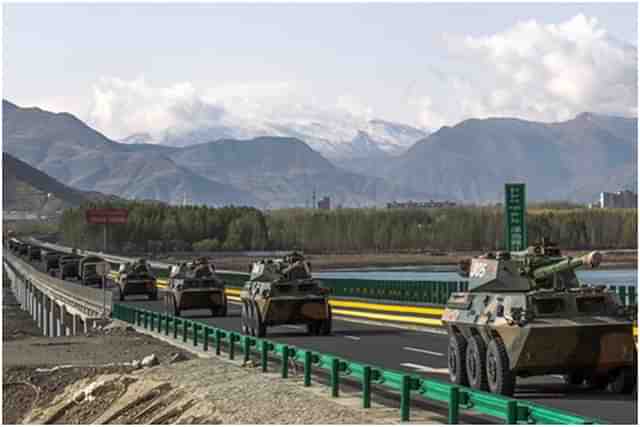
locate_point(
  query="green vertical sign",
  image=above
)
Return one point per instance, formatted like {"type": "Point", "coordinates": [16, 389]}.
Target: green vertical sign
{"type": "Point", "coordinates": [515, 217]}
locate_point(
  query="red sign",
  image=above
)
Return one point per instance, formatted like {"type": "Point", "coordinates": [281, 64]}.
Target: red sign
{"type": "Point", "coordinates": [107, 216]}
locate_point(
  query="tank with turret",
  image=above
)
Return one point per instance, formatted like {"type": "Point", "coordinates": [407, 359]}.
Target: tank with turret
{"type": "Point", "coordinates": [526, 314]}
{"type": "Point", "coordinates": [195, 285]}
{"type": "Point", "coordinates": [136, 278]}
{"type": "Point", "coordinates": [282, 291]}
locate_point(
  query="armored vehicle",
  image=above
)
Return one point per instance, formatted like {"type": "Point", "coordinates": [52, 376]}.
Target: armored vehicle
{"type": "Point", "coordinates": [195, 285]}
{"type": "Point", "coordinates": [281, 291]}
{"type": "Point", "coordinates": [50, 261]}
{"type": "Point", "coordinates": [33, 253]}
{"type": "Point", "coordinates": [88, 272]}
{"type": "Point", "coordinates": [68, 266]}
{"type": "Point", "coordinates": [526, 314]}
{"type": "Point", "coordinates": [137, 279]}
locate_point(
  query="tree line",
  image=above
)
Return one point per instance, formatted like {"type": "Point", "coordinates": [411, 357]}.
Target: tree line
{"type": "Point", "coordinates": [157, 227]}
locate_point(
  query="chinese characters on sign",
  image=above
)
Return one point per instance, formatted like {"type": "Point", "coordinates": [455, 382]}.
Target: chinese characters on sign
{"type": "Point", "coordinates": [107, 216]}
{"type": "Point", "coordinates": [515, 209]}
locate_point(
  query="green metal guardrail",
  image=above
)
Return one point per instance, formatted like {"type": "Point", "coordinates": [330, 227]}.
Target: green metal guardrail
{"type": "Point", "coordinates": [511, 411]}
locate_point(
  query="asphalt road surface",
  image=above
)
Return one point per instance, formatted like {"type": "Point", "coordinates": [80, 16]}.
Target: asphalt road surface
{"type": "Point", "coordinates": [417, 352]}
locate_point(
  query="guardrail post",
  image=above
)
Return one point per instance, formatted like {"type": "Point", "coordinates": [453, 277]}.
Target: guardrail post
{"type": "Point", "coordinates": [335, 377]}
{"type": "Point", "coordinates": [454, 405]}
{"type": "Point", "coordinates": [232, 345]}
{"type": "Point", "coordinates": [264, 355]}
{"type": "Point", "coordinates": [185, 326]}
{"type": "Point", "coordinates": [405, 398]}
{"type": "Point", "coordinates": [175, 328]}
{"type": "Point", "coordinates": [512, 412]}
{"type": "Point", "coordinates": [307, 368]}
{"type": "Point", "coordinates": [285, 362]}
{"type": "Point", "coordinates": [152, 317]}
{"type": "Point", "coordinates": [194, 327]}
{"type": "Point", "coordinates": [246, 347]}
{"type": "Point", "coordinates": [205, 338]}
{"type": "Point", "coordinates": [166, 324]}
{"type": "Point", "coordinates": [218, 339]}
{"type": "Point", "coordinates": [366, 387]}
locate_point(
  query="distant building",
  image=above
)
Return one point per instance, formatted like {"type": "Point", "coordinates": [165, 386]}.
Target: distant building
{"type": "Point", "coordinates": [325, 203]}
{"type": "Point", "coordinates": [619, 199]}
{"type": "Point", "coordinates": [412, 204]}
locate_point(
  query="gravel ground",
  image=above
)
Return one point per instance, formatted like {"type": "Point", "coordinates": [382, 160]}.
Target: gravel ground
{"type": "Point", "coordinates": [90, 379]}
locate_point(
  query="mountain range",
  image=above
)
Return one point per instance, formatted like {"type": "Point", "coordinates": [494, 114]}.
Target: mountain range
{"type": "Point", "coordinates": [266, 172]}
{"type": "Point", "coordinates": [572, 160]}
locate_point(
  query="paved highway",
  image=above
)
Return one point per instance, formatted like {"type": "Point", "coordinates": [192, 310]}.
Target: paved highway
{"type": "Point", "coordinates": [418, 352]}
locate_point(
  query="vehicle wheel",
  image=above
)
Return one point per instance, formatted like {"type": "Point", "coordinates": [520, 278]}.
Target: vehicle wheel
{"type": "Point", "coordinates": [260, 330]}
{"type": "Point", "coordinates": [153, 296]}
{"type": "Point", "coordinates": [456, 359]}
{"type": "Point", "coordinates": [243, 320]}
{"type": "Point", "coordinates": [121, 295]}
{"type": "Point", "coordinates": [477, 363]}
{"type": "Point", "coordinates": [176, 309]}
{"type": "Point", "coordinates": [313, 327]}
{"type": "Point", "coordinates": [326, 324]}
{"type": "Point", "coordinates": [575, 378]}
{"type": "Point", "coordinates": [623, 381]}
{"type": "Point", "coordinates": [500, 378]}
{"type": "Point", "coordinates": [598, 382]}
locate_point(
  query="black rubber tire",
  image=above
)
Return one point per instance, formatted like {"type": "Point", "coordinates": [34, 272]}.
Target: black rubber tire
{"type": "Point", "coordinates": [243, 320]}
{"type": "Point", "coordinates": [476, 363]}
{"type": "Point", "coordinates": [261, 328]}
{"type": "Point", "coordinates": [623, 381]}
{"type": "Point", "coordinates": [575, 378]}
{"type": "Point", "coordinates": [457, 360]}
{"type": "Point", "coordinates": [121, 295]}
{"type": "Point", "coordinates": [598, 382]}
{"type": "Point", "coordinates": [252, 319]}
{"type": "Point", "coordinates": [326, 324]}
{"type": "Point", "coordinates": [500, 378]}
{"type": "Point", "coordinates": [176, 309]}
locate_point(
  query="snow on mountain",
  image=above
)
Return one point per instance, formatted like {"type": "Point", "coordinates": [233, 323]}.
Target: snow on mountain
{"type": "Point", "coordinates": [335, 137]}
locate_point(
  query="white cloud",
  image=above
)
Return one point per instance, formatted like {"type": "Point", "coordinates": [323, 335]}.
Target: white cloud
{"type": "Point", "coordinates": [537, 72]}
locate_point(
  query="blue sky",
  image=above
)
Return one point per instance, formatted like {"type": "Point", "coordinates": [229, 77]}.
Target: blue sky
{"type": "Point", "coordinates": [403, 62]}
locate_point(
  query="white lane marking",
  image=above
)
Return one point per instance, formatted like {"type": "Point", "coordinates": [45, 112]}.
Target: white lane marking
{"type": "Point", "coordinates": [351, 337]}
{"type": "Point", "coordinates": [422, 368]}
{"type": "Point", "coordinates": [419, 350]}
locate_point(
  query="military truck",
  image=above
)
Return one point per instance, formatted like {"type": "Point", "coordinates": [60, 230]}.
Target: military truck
{"type": "Point", "coordinates": [136, 279]}
{"type": "Point", "coordinates": [50, 261]}
{"type": "Point", "coordinates": [88, 272]}
{"type": "Point", "coordinates": [526, 314]}
{"type": "Point", "coordinates": [195, 285]}
{"type": "Point", "coordinates": [281, 291]}
{"type": "Point", "coordinates": [69, 266]}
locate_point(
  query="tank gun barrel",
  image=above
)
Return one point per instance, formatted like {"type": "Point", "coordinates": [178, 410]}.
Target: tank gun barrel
{"type": "Point", "coordinates": [592, 259]}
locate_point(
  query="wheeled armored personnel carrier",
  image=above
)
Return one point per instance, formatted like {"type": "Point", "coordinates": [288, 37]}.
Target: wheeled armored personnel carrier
{"type": "Point", "coordinates": [137, 279]}
{"type": "Point", "coordinates": [195, 285]}
{"type": "Point", "coordinates": [69, 266]}
{"type": "Point", "coordinates": [281, 291]}
{"type": "Point", "coordinates": [33, 252]}
{"type": "Point", "coordinates": [50, 261]}
{"type": "Point", "coordinates": [526, 314]}
{"type": "Point", "coordinates": [87, 269]}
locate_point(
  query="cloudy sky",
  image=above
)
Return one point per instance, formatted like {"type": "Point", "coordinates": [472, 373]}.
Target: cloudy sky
{"type": "Point", "coordinates": [140, 68]}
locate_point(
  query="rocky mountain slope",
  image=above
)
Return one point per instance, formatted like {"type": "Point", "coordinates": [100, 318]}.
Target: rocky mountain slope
{"type": "Point", "coordinates": [26, 189]}
{"type": "Point", "coordinates": [573, 160]}
{"type": "Point", "coordinates": [265, 172]}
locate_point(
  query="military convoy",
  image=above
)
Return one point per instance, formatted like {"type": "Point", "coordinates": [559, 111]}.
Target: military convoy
{"type": "Point", "coordinates": [281, 291]}
{"type": "Point", "coordinates": [526, 314]}
{"type": "Point", "coordinates": [137, 279]}
{"type": "Point", "coordinates": [195, 285]}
